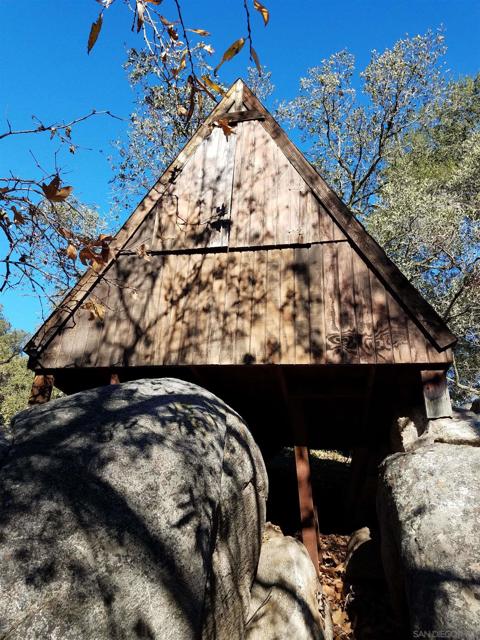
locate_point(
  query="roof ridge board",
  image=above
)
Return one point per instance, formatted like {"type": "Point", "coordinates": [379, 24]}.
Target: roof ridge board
{"type": "Point", "coordinates": [47, 330]}
{"type": "Point", "coordinates": [425, 315]}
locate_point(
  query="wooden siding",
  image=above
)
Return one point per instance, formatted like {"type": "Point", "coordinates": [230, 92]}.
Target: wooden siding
{"type": "Point", "coordinates": [238, 191]}
{"type": "Point", "coordinates": [306, 305]}
{"type": "Point", "coordinates": [251, 258]}
{"type": "Point", "coordinates": [195, 209]}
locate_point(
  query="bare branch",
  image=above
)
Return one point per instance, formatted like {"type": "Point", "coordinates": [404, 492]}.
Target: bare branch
{"type": "Point", "coordinates": [56, 126]}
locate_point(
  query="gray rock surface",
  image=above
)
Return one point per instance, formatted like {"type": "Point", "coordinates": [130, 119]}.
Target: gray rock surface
{"type": "Point", "coordinates": [363, 562]}
{"type": "Point", "coordinates": [429, 513]}
{"type": "Point", "coordinates": [130, 511]}
{"type": "Point", "coordinates": [286, 594]}
{"type": "Point", "coordinates": [462, 428]}
{"type": "Point", "coordinates": [411, 432]}
{"type": "Point", "coordinates": [475, 408]}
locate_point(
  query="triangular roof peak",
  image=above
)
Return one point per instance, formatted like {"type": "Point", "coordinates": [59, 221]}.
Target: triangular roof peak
{"type": "Point", "coordinates": [231, 171]}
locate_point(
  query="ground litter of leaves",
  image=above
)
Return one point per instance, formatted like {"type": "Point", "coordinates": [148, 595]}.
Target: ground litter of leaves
{"type": "Point", "coordinates": [359, 612]}
{"type": "Point", "coordinates": [332, 571]}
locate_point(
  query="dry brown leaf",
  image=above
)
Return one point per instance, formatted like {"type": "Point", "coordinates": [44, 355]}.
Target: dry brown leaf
{"type": "Point", "coordinates": [96, 309]}
{"type": "Point", "coordinates": [18, 217]}
{"type": "Point", "coordinates": [201, 32]}
{"type": "Point", "coordinates": [256, 59]}
{"type": "Point", "coordinates": [263, 10]}
{"type": "Point", "coordinates": [338, 584]}
{"type": "Point", "coordinates": [65, 233]}
{"type": "Point", "coordinates": [71, 252]}
{"type": "Point", "coordinates": [87, 256]}
{"type": "Point", "coordinates": [94, 32]}
{"type": "Point", "coordinates": [339, 617]}
{"type": "Point", "coordinates": [102, 239]}
{"type": "Point", "coordinates": [105, 254]}
{"type": "Point", "coordinates": [172, 33]}
{"type": "Point", "coordinates": [191, 100]}
{"type": "Point", "coordinates": [140, 14]}
{"type": "Point", "coordinates": [224, 125]}
{"type": "Point", "coordinates": [328, 590]}
{"type": "Point", "coordinates": [213, 85]}
{"type": "Point", "coordinates": [181, 66]}
{"type": "Point", "coordinates": [142, 252]}
{"type": "Point", "coordinates": [232, 51]}
{"type": "Point", "coordinates": [166, 22]}
{"type": "Point", "coordinates": [54, 193]}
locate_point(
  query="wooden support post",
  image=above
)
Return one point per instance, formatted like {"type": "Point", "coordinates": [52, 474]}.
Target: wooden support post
{"type": "Point", "coordinates": [41, 389]}
{"type": "Point", "coordinates": [308, 517]}
{"type": "Point", "coordinates": [435, 394]}
{"type": "Point", "coordinates": [308, 512]}
{"type": "Point", "coordinates": [114, 379]}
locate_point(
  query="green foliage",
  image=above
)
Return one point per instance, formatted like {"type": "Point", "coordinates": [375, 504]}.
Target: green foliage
{"type": "Point", "coordinates": [350, 133]}
{"type": "Point", "coordinates": [428, 219]}
{"type": "Point", "coordinates": [15, 378]}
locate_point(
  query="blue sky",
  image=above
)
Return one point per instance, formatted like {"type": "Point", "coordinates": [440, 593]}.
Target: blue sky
{"type": "Point", "coordinates": [45, 70]}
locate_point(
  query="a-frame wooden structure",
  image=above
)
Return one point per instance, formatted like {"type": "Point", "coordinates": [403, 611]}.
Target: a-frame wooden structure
{"type": "Point", "coordinates": [243, 271]}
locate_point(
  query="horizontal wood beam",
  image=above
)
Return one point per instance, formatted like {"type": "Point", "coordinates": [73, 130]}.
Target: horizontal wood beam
{"type": "Point", "coordinates": [243, 116]}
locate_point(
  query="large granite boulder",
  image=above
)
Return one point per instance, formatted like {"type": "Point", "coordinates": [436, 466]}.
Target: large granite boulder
{"type": "Point", "coordinates": [287, 595]}
{"type": "Point", "coordinates": [411, 432]}
{"type": "Point", "coordinates": [429, 513]}
{"type": "Point", "coordinates": [130, 511]}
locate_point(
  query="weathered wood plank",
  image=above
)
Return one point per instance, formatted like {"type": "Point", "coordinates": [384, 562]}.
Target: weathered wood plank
{"type": "Point", "coordinates": [243, 205]}
{"type": "Point", "coordinates": [302, 306]}
{"type": "Point", "coordinates": [162, 325]}
{"type": "Point", "coordinates": [308, 521]}
{"type": "Point", "coordinates": [229, 323]}
{"type": "Point", "coordinates": [147, 355]}
{"type": "Point", "coordinates": [258, 306]}
{"type": "Point", "coordinates": [436, 395]}
{"type": "Point", "coordinates": [417, 343]}
{"type": "Point", "coordinates": [272, 309]}
{"type": "Point", "coordinates": [332, 304]}
{"type": "Point", "coordinates": [317, 305]}
{"type": "Point", "coordinates": [216, 320]}
{"type": "Point", "coordinates": [287, 292]}
{"type": "Point", "coordinates": [243, 116]}
{"type": "Point", "coordinates": [363, 310]}
{"type": "Point", "coordinates": [243, 311]}
{"type": "Point", "coordinates": [348, 323]}
{"type": "Point", "coordinates": [258, 191]}
{"type": "Point", "coordinates": [381, 325]}
{"type": "Point", "coordinates": [398, 327]}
